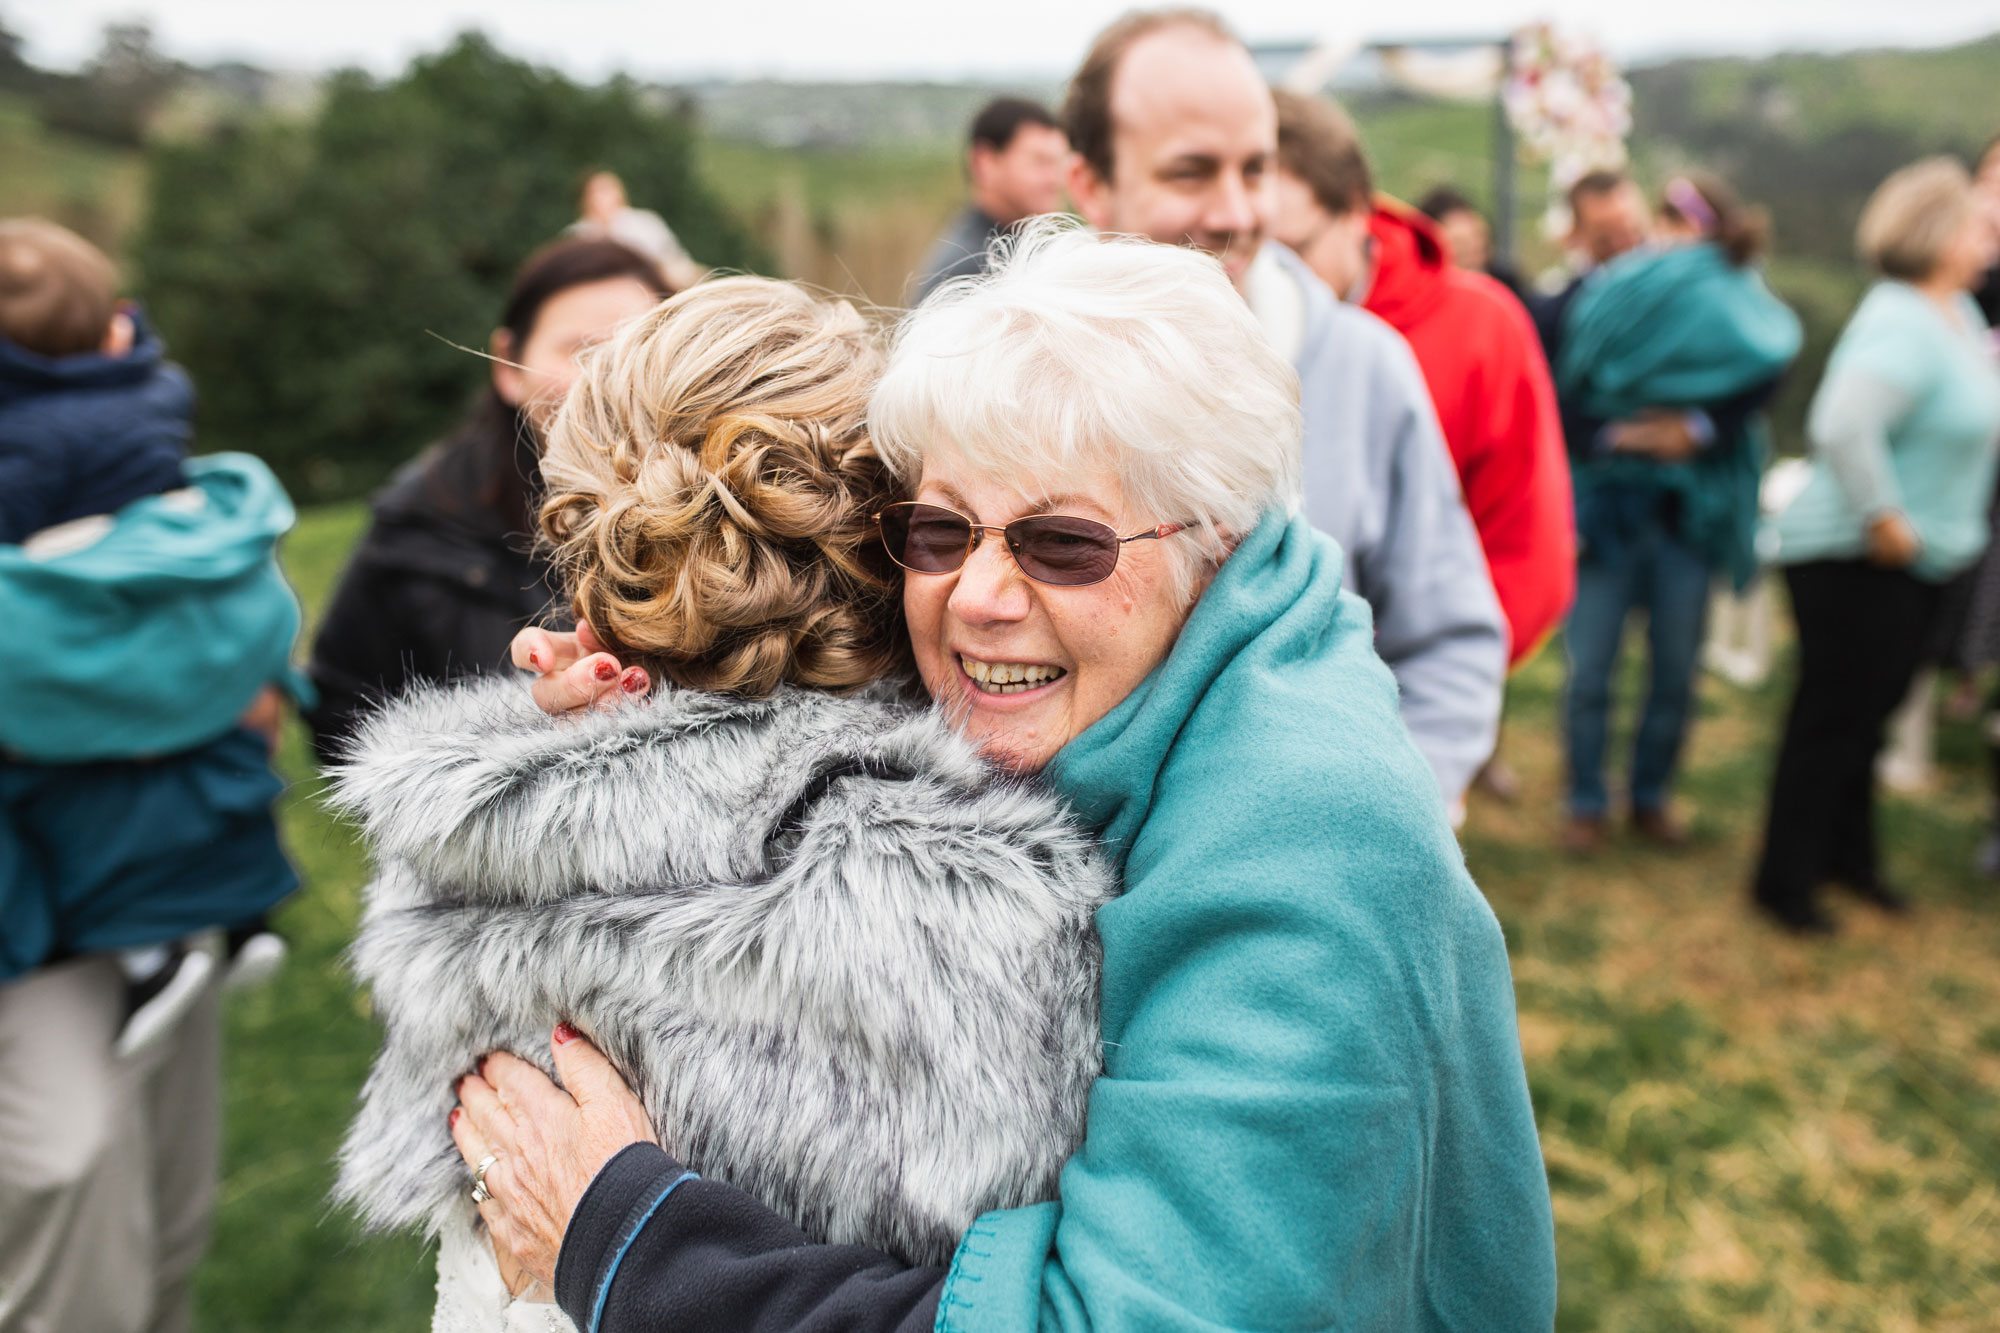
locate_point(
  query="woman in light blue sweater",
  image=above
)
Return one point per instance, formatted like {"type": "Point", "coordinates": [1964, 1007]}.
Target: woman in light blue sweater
{"type": "Point", "coordinates": [1904, 431]}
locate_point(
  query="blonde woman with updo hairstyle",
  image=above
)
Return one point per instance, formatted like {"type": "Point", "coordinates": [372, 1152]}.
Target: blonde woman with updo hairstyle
{"type": "Point", "coordinates": [712, 493]}
{"type": "Point", "coordinates": [846, 966]}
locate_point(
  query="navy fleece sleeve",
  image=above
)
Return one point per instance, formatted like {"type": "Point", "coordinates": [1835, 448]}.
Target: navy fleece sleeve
{"type": "Point", "coordinates": [25, 501]}
{"type": "Point", "coordinates": [652, 1245]}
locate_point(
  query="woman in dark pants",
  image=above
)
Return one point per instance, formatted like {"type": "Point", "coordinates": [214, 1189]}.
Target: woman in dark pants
{"type": "Point", "coordinates": [446, 573]}
{"type": "Point", "coordinates": [1904, 431]}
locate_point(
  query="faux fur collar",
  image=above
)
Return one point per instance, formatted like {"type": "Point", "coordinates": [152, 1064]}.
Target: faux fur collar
{"type": "Point", "coordinates": [485, 798]}
{"type": "Point", "coordinates": [849, 966]}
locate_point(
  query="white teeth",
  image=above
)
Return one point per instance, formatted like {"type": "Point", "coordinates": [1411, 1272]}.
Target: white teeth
{"type": "Point", "coordinates": [1008, 677]}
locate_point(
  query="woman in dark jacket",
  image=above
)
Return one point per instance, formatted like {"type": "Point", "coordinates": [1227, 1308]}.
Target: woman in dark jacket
{"type": "Point", "coordinates": [447, 572]}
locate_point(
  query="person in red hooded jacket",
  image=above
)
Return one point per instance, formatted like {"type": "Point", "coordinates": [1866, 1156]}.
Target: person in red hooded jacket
{"type": "Point", "coordinates": [1473, 340]}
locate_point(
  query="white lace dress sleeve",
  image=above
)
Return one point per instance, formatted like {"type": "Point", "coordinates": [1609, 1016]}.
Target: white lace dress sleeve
{"type": "Point", "coordinates": [471, 1298]}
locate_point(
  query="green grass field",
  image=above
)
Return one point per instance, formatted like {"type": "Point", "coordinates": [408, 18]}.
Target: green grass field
{"type": "Point", "coordinates": [1742, 1132]}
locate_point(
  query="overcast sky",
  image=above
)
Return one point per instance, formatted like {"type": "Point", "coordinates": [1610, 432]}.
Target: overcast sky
{"type": "Point", "coordinates": [677, 39]}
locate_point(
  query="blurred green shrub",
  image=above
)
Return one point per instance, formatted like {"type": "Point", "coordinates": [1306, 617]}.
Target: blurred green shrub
{"type": "Point", "coordinates": [298, 268]}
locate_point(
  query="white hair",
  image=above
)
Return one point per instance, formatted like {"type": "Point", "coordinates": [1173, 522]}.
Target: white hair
{"type": "Point", "coordinates": [1078, 353]}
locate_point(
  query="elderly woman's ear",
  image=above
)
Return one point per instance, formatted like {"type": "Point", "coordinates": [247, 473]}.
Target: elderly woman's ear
{"type": "Point", "coordinates": [1228, 539]}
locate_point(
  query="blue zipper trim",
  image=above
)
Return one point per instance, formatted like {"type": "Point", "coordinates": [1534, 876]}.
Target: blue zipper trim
{"type": "Point", "coordinates": [631, 1235]}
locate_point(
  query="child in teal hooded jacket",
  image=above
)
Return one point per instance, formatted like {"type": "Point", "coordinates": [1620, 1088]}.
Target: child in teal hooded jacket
{"type": "Point", "coordinates": [142, 593]}
{"type": "Point", "coordinates": [133, 809]}
{"type": "Point", "coordinates": [145, 611]}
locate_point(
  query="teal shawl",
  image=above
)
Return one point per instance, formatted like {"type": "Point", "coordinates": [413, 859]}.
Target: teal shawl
{"type": "Point", "coordinates": [155, 637]}
{"type": "Point", "coordinates": [1677, 328]}
{"type": "Point", "coordinates": [116, 855]}
{"type": "Point", "coordinates": [1313, 1112]}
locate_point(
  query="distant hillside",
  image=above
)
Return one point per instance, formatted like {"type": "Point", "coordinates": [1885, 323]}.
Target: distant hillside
{"type": "Point", "coordinates": [845, 184]}
{"type": "Point", "coordinates": [1806, 135]}
{"type": "Point", "coordinates": [848, 115]}
{"type": "Point", "coordinates": [1810, 135]}
{"type": "Point", "coordinates": [1944, 95]}
{"type": "Point", "coordinates": [91, 186]}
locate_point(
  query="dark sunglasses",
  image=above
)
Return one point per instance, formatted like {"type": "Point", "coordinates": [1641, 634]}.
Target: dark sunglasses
{"type": "Point", "coordinates": [1056, 549]}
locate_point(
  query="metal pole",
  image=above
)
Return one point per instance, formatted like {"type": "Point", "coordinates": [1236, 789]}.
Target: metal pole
{"type": "Point", "coordinates": [1503, 167]}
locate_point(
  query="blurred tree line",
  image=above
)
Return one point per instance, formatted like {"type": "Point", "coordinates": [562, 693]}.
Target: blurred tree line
{"type": "Point", "coordinates": [112, 99]}
{"type": "Point", "coordinates": [300, 245]}
{"type": "Point", "coordinates": [300, 267]}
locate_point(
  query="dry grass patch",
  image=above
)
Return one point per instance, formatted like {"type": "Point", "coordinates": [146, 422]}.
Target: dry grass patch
{"type": "Point", "coordinates": [1745, 1131]}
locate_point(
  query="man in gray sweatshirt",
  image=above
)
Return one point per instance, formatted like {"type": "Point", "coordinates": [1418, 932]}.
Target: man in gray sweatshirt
{"type": "Point", "coordinates": [1176, 138]}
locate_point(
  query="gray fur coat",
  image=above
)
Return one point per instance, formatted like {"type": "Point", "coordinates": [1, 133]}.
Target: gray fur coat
{"type": "Point", "coordinates": [849, 967]}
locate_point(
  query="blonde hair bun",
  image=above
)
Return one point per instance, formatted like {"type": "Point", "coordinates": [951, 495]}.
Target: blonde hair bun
{"type": "Point", "coordinates": [712, 489]}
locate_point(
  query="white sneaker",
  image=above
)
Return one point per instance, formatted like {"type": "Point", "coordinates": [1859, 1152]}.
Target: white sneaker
{"type": "Point", "coordinates": [163, 1000]}
{"type": "Point", "coordinates": [256, 961]}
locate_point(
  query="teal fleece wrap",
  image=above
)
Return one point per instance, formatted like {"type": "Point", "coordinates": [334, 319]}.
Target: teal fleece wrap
{"type": "Point", "coordinates": [154, 638]}
{"type": "Point", "coordinates": [1678, 328]}
{"type": "Point", "coordinates": [1313, 1111]}
{"type": "Point", "coordinates": [125, 853]}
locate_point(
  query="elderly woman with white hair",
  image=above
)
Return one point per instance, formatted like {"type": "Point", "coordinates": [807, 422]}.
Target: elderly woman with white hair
{"type": "Point", "coordinates": [1311, 1109]}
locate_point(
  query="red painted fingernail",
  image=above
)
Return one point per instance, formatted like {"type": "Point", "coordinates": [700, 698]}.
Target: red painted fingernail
{"type": "Point", "coordinates": [456, 1114]}
{"type": "Point", "coordinates": [605, 670]}
{"type": "Point", "coordinates": [566, 1034]}
{"type": "Point", "coordinates": [635, 681]}
{"type": "Point", "coordinates": [535, 661]}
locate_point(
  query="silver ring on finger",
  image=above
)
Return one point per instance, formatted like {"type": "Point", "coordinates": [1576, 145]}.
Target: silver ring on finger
{"type": "Point", "coordinates": [480, 1194]}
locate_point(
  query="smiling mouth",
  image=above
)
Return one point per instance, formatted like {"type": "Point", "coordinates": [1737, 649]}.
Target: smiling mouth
{"type": "Point", "coordinates": [1008, 677]}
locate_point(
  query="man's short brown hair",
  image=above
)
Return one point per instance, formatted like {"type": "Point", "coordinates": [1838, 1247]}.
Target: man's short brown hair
{"type": "Point", "coordinates": [1595, 185]}
{"type": "Point", "coordinates": [58, 292]}
{"type": "Point", "coordinates": [1087, 110]}
{"type": "Point", "coordinates": [1319, 144]}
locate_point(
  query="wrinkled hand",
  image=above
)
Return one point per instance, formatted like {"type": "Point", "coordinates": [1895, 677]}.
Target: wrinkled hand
{"type": "Point", "coordinates": [549, 1144]}
{"type": "Point", "coordinates": [1663, 435]}
{"type": "Point", "coordinates": [573, 671]}
{"type": "Point", "coordinates": [1892, 542]}
{"type": "Point", "coordinates": [266, 716]}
